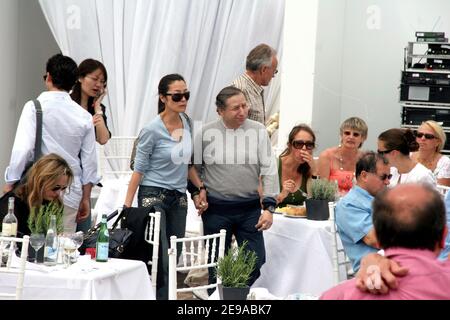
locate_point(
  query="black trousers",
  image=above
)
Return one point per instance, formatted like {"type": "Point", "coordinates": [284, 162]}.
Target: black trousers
{"type": "Point", "coordinates": [238, 219]}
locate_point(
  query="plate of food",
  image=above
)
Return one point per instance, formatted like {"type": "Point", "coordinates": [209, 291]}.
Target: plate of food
{"type": "Point", "coordinates": [293, 211]}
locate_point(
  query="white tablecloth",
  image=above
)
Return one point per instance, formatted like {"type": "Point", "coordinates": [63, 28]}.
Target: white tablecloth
{"type": "Point", "coordinates": [298, 257]}
{"type": "Point", "coordinates": [117, 279]}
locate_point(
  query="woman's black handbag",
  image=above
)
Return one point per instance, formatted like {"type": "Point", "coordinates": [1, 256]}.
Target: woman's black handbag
{"type": "Point", "coordinates": [119, 239]}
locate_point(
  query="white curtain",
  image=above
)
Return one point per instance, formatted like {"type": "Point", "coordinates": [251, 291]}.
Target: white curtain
{"type": "Point", "coordinates": [140, 41]}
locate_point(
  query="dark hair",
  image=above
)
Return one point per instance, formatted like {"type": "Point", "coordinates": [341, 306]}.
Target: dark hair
{"type": "Point", "coordinates": [163, 88]}
{"type": "Point", "coordinates": [225, 94]}
{"type": "Point", "coordinates": [368, 162]}
{"type": "Point", "coordinates": [304, 169]}
{"type": "Point", "coordinates": [259, 56]}
{"type": "Point", "coordinates": [86, 67]}
{"type": "Point", "coordinates": [402, 140]}
{"type": "Point", "coordinates": [413, 225]}
{"type": "Point", "coordinates": [63, 70]}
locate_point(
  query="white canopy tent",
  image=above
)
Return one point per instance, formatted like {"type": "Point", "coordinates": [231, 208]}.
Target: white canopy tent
{"type": "Point", "coordinates": [139, 41]}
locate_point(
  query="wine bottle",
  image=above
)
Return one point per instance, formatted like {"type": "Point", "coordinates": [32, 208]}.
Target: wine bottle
{"type": "Point", "coordinates": [9, 223]}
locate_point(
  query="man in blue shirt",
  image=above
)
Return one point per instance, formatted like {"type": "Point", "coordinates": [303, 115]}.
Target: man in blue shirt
{"type": "Point", "coordinates": [354, 210]}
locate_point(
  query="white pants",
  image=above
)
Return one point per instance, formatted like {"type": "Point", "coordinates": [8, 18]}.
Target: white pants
{"type": "Point", "coordinates": [69, 219]}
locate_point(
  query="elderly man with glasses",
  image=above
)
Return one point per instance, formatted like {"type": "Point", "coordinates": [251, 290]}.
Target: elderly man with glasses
{"type": "Point", "coordinates": [354, 210]}
{"type": "Point", "coordinates": [261, 67]}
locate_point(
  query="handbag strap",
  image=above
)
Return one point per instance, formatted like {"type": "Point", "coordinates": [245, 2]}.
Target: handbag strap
{"type": "Point", "coordinates": [97, 226]}
{"type": "Point", "coordinates": [38, 139]}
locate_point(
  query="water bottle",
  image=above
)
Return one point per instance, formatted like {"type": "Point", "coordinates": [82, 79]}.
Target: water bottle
{"type": "Point", "coordinates": [51, 244]}
{"type": "Point", "coordinates": [102, 241]}
{"type": "Point", "coordinates": [9, 223]}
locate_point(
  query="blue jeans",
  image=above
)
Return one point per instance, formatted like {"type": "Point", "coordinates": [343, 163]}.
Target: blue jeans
{"type": "Point", "coordinates": [173, 207]}
{"type": "Point", "coordinates": [238, 218]}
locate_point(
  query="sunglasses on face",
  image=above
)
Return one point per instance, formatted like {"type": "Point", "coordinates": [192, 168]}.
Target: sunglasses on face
{"type": "Point", "coordinates": [427, 136]}
{"type": "Point", "coordinates": [349, 133]}
{"type": "Point", "coordinates": [298, 144]}
{"type": "Point", "coordinates": [57, 188]}
{"type": "Point", "coordinates": [383, 152]}
{"type": "Point", "coordinates": [385, 176]}
{"type": "Point", "coordinates": [176, 97]}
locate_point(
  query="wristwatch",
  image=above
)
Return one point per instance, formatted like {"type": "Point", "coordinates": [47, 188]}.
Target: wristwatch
{"type": "Point", "coordinates": [271, 209]}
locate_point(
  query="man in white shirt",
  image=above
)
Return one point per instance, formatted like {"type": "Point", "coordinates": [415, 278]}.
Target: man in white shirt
{"type": "Point", "coordinates": [67, 130]}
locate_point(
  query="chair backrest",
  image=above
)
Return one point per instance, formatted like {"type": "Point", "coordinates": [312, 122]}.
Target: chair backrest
{"type": "Point", "coordinates": [338, 255]}
{"type": "Point", "coordinates": [7, 265]}
{"type": "Point", "coordinates": [114, 157]}
{"type": "Point", "coordinates": [442, 189]}
{"type": "Point", "coordinates": [202, 252]}
{"type": "Point", "coordinates": [152, 237]}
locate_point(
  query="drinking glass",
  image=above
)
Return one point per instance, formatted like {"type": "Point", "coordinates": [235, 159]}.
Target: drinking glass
{"type": "Point", "coordinates": [37, 241]}
{"type": "Point", "coordinates": [77, 239]}
{"type": "Point", "coordinates": [69, 248]}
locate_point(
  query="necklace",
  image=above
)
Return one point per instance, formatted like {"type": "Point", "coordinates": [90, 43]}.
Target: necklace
{"type": "Point", "coordinates": [427, 163]}
{"type": "Point", "coordinates": [341, 161]}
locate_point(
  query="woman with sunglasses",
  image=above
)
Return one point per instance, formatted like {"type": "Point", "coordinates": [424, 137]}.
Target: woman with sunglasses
{"type": "Point", "coordinates": [339, 163]}
{"type": "Point", "coordinates": [46, 181]}
{"type": "Point", "coordinates": [89, 92]}
{"type": "Point", "coordinates": [431, 139]}
{"type": "Point", "coordinates": [161, 169]}
{"type": "Point", "coordinates": [396, 145]}
{"type": "Point", "coordinates": [296, 166]}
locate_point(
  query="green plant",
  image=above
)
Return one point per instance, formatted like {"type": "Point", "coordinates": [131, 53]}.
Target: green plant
{"type": "Point", "coordinates": [39, 220]}
{"type": "Point", "coordinates": [322, 189]}
{"type": "Point", "coordinates": [235, 267]}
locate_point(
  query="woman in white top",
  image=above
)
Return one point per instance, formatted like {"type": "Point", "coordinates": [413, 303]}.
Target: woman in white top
{"type": "Point", "coordinates": [431, 139]}
{"type": "Point", "coordinates": [395, 145]}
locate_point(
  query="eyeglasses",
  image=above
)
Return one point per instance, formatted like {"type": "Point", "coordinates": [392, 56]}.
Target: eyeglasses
{"type": "Point", "coordinates": [385, 176]}
{"type": "Point", "coordinates": [298, 144]}
{"type": "Point", "coordinates": [102, 82]}
{"type": "Point", "coordinates": [176, 97]}
{"type": "Point", "coordinates": [383, 152]}
{"type": "Point", "coordinates": [57, 188]}
{"type": "Point", "coordinates": [427, 136]}
{"type": "Point", "coordinates": [275, 72]}
{"type": "Point", "coordinates": [349, 133]}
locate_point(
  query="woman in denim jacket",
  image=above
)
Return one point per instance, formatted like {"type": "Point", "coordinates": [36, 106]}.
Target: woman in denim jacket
{"type": "Point", "coordinates": [161, 168]}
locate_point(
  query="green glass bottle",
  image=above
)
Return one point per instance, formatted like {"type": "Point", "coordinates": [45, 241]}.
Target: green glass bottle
{"type": "Point", "coordinates": [102, 241]}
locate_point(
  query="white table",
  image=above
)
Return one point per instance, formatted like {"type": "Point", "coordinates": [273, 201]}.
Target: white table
{"type": "Point", "coordinates": [298, 257]}
{"type": "Point", "coordinates": [117, 279]}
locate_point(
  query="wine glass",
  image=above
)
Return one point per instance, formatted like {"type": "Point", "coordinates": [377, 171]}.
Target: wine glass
{"type": "Point", "coordinates": [69, 248]}
{"type": "Point", "coordinates": [37, 241]}
{"type": "Point", "coordinates": [77, 239]}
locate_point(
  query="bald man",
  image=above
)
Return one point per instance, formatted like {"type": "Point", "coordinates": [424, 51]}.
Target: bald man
{"type": "Point", "coordinates": [409, 222]}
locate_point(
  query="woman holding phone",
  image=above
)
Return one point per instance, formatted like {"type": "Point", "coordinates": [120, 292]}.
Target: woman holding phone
{"type": "Point", "coordinates": [89, 92]}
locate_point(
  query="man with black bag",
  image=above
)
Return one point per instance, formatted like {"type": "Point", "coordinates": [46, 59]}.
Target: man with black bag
{"type": "Point", "coordinates": [67, 130]}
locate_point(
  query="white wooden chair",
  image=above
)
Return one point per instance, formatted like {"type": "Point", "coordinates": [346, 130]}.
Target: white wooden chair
{"type": "Point", "coordinates": [7, 254]}
{"type": "Point", "coordinates": [339, 257]}
{"type": "Point", "coordinates": [152, 237]}
{"type": "Point", "coordinates": [202, 252]}
{"type": "Point", "coordinates": [114, 157]}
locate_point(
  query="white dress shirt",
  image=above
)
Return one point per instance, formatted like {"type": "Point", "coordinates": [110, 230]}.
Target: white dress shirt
{"type": "Point", "coordinates": [67, 130]}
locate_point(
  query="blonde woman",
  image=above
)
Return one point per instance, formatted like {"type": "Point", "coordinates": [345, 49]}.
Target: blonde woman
{"type": "Point", "coordinates": [339, 163]}
{"type": "Point", "coordinates": [431, 139]}
{"type": "Point", "coordinates": [46, 180]}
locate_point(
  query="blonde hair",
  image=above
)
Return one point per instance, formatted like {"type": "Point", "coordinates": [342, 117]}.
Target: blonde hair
{"type": "Point", "coordinates": [42, 176]}
{"type": "Point", "coordinates": [355, 123]}
{"type": "Point", "coordinates": [437, 129]}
